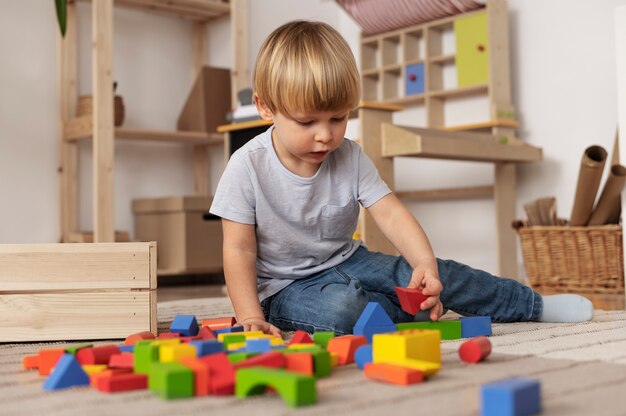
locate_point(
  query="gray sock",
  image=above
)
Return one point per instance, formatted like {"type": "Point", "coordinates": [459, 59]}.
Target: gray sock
{"type": "Point", "coordinates": [566, 308]}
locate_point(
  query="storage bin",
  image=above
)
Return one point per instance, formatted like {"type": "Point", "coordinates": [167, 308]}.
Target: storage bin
{"type": "Point", "coordinates": [189, 240]}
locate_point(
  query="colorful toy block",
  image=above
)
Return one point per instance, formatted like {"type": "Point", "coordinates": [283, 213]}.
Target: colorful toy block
{"type": "Point", "coordinates": [94, 369]}
{"type": "Point", "coordinates": [322, 338]}
{"type": "Point", "coordinates": [67, 373]}
{"type": "Point", "coordinates": [475, 326]}
{"type": "Point", "coordinates": [222, 373]}
{"type": "Point", "coordinates": [207, 347]}
{"type": "Point", "coordinates": [74, 349]}
{"type": "Point", "coordinates": [475, 350]}
{"type": "Point", "coordinates": [274, 359]}
{"type": "Point", "coordinates": [122, 382]}
{"type": "Point", "coordinates": [449, 329]}
{"type": "Point", "coordinates": [96, 355]}
{"type": "Point", "coordinates": [201, 375]}
{"type": "Point", "coordinates": [305, 347]}
{"type": "Point", "coordinates": [146, 353]}
{"type": "Point", "coordinates": [295, 389]}
{"type": "Point", "coordinates": [393, 374]}
{"type": "Point", "coordinates": [373, 320]}
{"type": "Point", "coordinates": [109, 372]}
{"type": "Point", "coordinates": [171, 380]}
{"type": "Point", "coordinates": [511, 397]}
{"type": "Point", "coordinates": [122, 360]}
{"type": "Point", "coordinates": [363, 355]}
{"type": "Point", "coordinates": [345, 346]}
{"type": "Point", "coordinates": [174, 352]}
{"type": "Point", "coordinates": [228, 339]}
{"type": "Point", "coordinates": [47, 359]}
{"type": "Point", "coordinates": [300, 362]}
{"type": "Point", "coordinates": [186, 325]}
{"type": "Point", "coordinates": [206, 333]}
{"type": "Point", "coordinates": [30, 362]}
{"type": "Point", "coordinates": [217, 323]}
{"type": "Point", "coordinates": [418, 349]}
{"type": "Point", "coordinates": [168, 335]}
{"type": "Point", "coordinates": [410, 299]}
{"type": "Point", "coordinates": [227, 330]}
{"type": "Point", "coordinates": [236, 357]}
{"type": "Point", "coordinates": [258, 345]}
{"type": "Point", "coordinates": [127, 348]}
{"type": "Point", "coordinates": [131, 339]}
{"type": "Point", "coordinates": [301, 337]}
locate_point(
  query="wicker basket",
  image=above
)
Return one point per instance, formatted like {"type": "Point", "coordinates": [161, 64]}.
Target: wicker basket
{"type": "Point", "coordinates": [573, 259]}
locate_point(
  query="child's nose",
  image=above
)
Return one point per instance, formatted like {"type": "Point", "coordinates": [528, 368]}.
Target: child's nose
{"type": "Point", "coordinates": [324, 135]}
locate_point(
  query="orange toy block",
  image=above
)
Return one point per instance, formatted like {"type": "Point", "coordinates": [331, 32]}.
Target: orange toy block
{"type": "Point", "coordinates": [131, 339]}
{"type": "Point", "coordinates": [301, 337]}
{"type": "Point", "coordinates": [168, 335]}
{"type": "Point", "coordinates": [122, 360]}
{"type": "Point", "coordinates": [345, 346]}
{"type": "Point", "coordinates": [475, 350]}
{"type": "Point", "coordinates": [48, 358]}
{"type": "Point", "coordinates": [122, 382]}
{"type": "Point", "coordinates": [93, 378]}
{"type": "Point", "coordinates": [96, 355]}
{"type": "Point", "coordinates": [410, 299]}
{"type": "Point", "coordinates": [206, 333]}
{"type": "Point", "coordinates": [217, 323]}
{"type": "Point", "coordinates": [393, 374]}
{"type": "Point", "coordinates": [274, 359]}
{"type": "Point", "coordinates": [201, 375]}
{"type": "Point", "coordinates": [300, 362]}
{"type": "Point", "coordinates": [30, 362]}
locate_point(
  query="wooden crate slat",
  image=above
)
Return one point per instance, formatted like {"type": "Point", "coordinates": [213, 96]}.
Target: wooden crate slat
{"type": "Point", "coordinates": [41, 267]}
{"type": "Point", "coordinates": [73, 316]}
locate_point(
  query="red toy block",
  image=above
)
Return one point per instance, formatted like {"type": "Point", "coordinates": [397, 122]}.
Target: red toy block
{"type": "Point", "coordinates": [217, 323]}
{"type": "Point", "coordinates": [393, 374]}
{"type": "Point", "coordinates": [96, 355]}
{"type": "Point", "coordinates": [201, 375]}
{"type": "Point", "coordinates": [123, 382]}
{"type": "Point", "coordinates": [192, 338]}
{"type": "Point", "coordinates": [345, 347]}
{"type": "Point", "coordinates": [131, 339]}
{"type": "Point", "coordinates": [274, 359]}
{"type": "Point", "coordinates": [222, 381]}
{"type": "Point", "coordinates": [206, 333]}
{"type": "Point", "coordinates": [48, 358]}
{"type": "Point", "coordinates": [410, 299]}
{"type": "Point", "coordinates": [168, 335]}
{"type": "Point", "coordinates": [93, 379]}
{"type": "Point", "coordinates": [122, 360]}
{"type": "Point", "coordinates": [300, 362]}
{"type": "Point", "coordinates": [301, 337]}
{"type": "Point", "coordinates": [475, 350]}
{"type": "Point", "coordinates": [30, 362]}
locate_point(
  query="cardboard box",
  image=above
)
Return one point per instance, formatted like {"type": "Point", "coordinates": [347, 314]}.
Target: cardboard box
{"type": "Point", "coordinates": [188, 239]}
{"type": "Point", "coordinates": [77, 291]}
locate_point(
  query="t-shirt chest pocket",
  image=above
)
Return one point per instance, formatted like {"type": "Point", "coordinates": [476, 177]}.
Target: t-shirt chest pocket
{"type": "Point", "coordinates": [339, 221]}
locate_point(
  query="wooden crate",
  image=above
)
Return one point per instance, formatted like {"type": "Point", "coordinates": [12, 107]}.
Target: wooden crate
{"type": "Point", "coordinates": [77, 291]}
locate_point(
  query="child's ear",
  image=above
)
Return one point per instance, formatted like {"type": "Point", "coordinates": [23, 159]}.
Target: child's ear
{"type": "Point", "coordinates": [262, 108]}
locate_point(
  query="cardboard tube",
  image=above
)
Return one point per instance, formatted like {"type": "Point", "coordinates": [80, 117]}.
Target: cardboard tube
{"type": "Point", "coordinates": [591, 167]}
{"type": "Point", "coordinates": [608, 209]}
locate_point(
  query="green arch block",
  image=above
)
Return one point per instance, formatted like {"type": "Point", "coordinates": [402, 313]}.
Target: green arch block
{"type": "Point", "coordinates": [295, 389]}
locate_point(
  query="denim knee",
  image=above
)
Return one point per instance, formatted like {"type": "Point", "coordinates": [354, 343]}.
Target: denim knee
{"type": "Point", "coordinates": [347, 309]}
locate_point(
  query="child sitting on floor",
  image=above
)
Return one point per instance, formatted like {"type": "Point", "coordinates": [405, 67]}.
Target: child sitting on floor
{"type": "Point", "coordinates": [289, 202]}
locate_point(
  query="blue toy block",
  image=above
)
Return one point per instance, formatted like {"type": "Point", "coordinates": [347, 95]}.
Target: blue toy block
{"type": "Point", "coordinates": [207, 347]}
{"type": "Point", "coordinates": [475, 326]}
{"type": "Point", "coordinates": [373, 315]}
{"type": "Point", "coordinates": [185, 325]}
{"type": "Point", "coordinates": [511, 397]}
{"type": "Point", "coordinates": [363, 355]}
{"type": "Point", "coordinates": [67, 373]}
{"type": "Point", "coordinates": [228, 330]}
{"type": "Point", "coordinates": [369, 331]}
{"type": "Point", "coordinates": [126, 348]}
{"type": "Point", "coordinates": [258, 345]}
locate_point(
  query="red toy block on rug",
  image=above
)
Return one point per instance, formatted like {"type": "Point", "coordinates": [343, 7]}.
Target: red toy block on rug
{"type": "Point", "coordinates": [475, 350]}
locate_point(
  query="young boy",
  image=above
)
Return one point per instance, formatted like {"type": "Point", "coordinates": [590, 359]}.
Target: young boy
{"type": "Point", "coordinates": [289, 202]}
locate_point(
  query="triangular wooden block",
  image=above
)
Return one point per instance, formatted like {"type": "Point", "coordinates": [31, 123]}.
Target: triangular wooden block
{"type": "Point", "coordinates": [374, 315]}
{"type": "Point", "coordinates": [410, 299]}
{"type": "Point", "coordinates": [208, 102]}
{"type": "Point", "coordinates": [67, 373]}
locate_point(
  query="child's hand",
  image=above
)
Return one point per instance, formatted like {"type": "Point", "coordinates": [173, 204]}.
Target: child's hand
{"type": "Point", "coordinates": [259, 324]}
{"type": "Point", "coordinates": [430, 285]}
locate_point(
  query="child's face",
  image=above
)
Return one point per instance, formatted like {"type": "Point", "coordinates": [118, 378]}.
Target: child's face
{"type": "Point", "coordinates": [303, 140]}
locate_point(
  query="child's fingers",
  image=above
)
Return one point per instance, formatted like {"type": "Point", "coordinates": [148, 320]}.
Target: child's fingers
{"type": "Point", "coordinates": [275, 331]}
{"type": "Point", "coordinates": [436, 312]}
{"type": "Point", "coordinates": [432, 287]}
{"type": "Point", "coordinates": [429, 303]}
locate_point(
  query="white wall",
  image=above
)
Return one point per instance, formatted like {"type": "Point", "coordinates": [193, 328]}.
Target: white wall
{"type": "Point", "coordinates": [563, 64]}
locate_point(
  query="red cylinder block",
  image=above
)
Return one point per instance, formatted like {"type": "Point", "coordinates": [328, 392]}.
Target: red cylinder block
{"type": "Point", "coordinates": [96, 355]}
{"type": "Point", "coordinates": [475, 350]}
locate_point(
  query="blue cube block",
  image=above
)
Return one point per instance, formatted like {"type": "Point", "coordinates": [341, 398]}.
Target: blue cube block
{"type": "Point", "coordinates": [475, 326]}
{"type": "Point", "coordinates": [511, 397]}
{"type": "Point", "coordinates": [258, 345]}
{"type": "Point", "coordinates": [186, 325]}
{"type": "Point", "coordinates": [207, 347]}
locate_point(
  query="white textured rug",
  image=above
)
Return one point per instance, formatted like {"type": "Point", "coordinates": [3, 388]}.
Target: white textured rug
{"type": "Point", "coordinates": [582, 369]}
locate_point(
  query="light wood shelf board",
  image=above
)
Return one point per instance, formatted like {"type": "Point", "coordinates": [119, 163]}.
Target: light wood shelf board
{"type": "Point", "coordinates": [460, 92]}
{"type": "Point", "coordinates": [445, 194]}
{"type": "Point", "coordinates": [189, 9]}
{"type": "Point", "coordinates": [483, 125]}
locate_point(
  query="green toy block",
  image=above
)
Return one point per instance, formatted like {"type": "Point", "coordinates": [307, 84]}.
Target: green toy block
{"type": "Point", "coordinates": [171, 380]}
{"type": "Point", "coordinates": [321, 360]}
{"type": "Point", "coordinates": [308, 348]}
{"type": "Point", "coordinates": [322, 338]}
{"type": "Point", "coordinates": [146, 352]}
{"type": "Point", "coordinates": [74, 348]}
{"type": "Point", "coordinates": [233, 338]}
{"type": "Point", "coordinates": [448, 329]}
{"type": "Point", "coordinates": [236, 357]}
{"type": "Point", "coordinates": [295, 389]}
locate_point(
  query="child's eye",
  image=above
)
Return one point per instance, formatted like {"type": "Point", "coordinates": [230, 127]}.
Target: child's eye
{"type": "Point", "coordinates": [337, 120]}
{"type": "Point", "coordinates": [304, 123]}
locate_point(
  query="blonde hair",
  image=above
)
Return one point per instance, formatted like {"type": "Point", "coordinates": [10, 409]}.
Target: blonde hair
{"type": "Point", "coordinates": [306, 66]}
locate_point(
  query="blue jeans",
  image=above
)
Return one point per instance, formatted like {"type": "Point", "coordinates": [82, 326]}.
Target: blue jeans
{"type": "Point", "coordinates": [333, 300]}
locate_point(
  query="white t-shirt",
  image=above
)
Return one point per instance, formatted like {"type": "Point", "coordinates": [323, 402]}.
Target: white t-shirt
{"type": "Point", "coordinates": [303, 225]}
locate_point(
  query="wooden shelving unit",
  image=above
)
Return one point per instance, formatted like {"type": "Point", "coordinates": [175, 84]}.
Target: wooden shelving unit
{"type": "Point", "coordinates": [100, 127]}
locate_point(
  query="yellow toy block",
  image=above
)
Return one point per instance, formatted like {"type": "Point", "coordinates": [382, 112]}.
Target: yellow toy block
{"type": "Point", "coordinates": [166, 341]}
{"type": "Point", "coordinates": [334, 359]}
{"type": "Point", "coordinates": [273, 339]}
{"type": "Point", "coordinates": [297, 346]}
{"type": "Point", "coordinates": [415, 344]}
{"type": "Point", "coordinates": [235, 346]}
{"type": "Point", "coordinates": [174, 352]}
{"type": "Point", "coordinates": [224, 336]}
{"type": "Point", "coordinates": [94, 368]}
